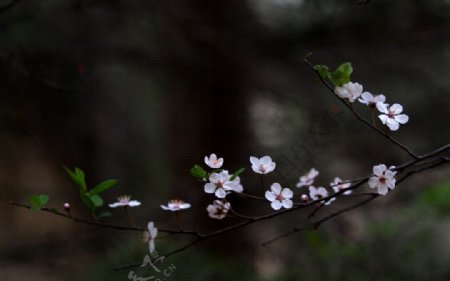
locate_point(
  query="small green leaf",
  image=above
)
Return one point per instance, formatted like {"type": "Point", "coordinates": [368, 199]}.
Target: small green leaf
{"type": "Point", "coordinates": [77, 177]}
{"type": "Point", "coordinates": [103, 186]}
{"type": "Point", "coordinates": [98, 201]}
{"type": "Point", "coordinates": [342, 74]}
{"type": "Point", "coordinates": [237, 173]}
{"type": "Point", "coordinates": [38, 202]}
{"type": "Point", "coordinates": [198, 172]}
{"type": "Point", "coordinates": [104, 214]}
{"type": "Point", "coordinates": [322, 70]}
{"type": "Point", "coordinates": [87, 201]}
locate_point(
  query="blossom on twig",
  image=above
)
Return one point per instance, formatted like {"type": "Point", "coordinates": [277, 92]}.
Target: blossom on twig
{"type": "Point", "coordinates": [220, 184]}
{"type": "Point", "coordinates": [124, 201]}
{"type": "Point", "coordinates": [337, 184]}
{"type": "Point", "coordinates": [391, 116]}
{"type": "Point", "coordinates": [213, 162]}
{"type": "Point", "coordinates": [317, 193]}
{"type": "Point", "coordinates": [350, 91]}
{"type": "Point", "coordinates": [371, 100]}
{"type": "Point", "coordinates": [308, 178]}
{"type": "Point", "coordinates": [218, 210]}
{"type": "Point", "coordinates": [279, 197]}
{"type": "Point", "coordinates": [176, 205]}
{"type": "Point", "coordinates": [263, 165]}
{"type": "Point", "coordinates": [383, 179]}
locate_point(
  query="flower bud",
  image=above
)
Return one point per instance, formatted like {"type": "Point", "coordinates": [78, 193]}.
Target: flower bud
{"type": "Point", "coordinates": [67, 207]}
{"type": "Point", "coordinates": [304, 198]}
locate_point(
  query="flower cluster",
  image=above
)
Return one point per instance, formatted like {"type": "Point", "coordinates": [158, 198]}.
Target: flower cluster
{"type": "Point", "coordinates": [390, 115]}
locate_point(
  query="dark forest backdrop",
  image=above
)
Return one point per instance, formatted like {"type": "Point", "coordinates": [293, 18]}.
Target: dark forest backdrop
{"type": "Point", "coordinates": [141, 90]}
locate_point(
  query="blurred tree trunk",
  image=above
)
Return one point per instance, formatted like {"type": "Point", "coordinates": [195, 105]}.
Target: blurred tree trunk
{"type": "Point", "coordinates": [206, 105]}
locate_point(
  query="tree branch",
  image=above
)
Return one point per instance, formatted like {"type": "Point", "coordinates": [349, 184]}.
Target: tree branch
{"type": "Point", "coordinates": [362, 119]}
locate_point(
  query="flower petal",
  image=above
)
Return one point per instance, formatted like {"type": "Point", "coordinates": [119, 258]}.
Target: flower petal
{"type": "Point", "coordinates": [382, 189]}
{"type": "Point", "coordinates": [276, 205]}
{"type": "Point", "coordinates": [379, 169]}
{"type": "Point", "coordinates": [287, 193]}
{"type": "Point", "coordinates": [287, 203]}
{"type": "Point", "coordinates": [276, 188]}
{"type": "Point", "coordinates": [210, 187]}
{"type": "Point", "coordinates": [402, 118]}
{"type": "Point", "coordinates": [384, 118]}
{"type": "Point", "coordinates": [382, 107]}
{"type": "Point", "coordinates": [220, 193]}
{"type": "Point", "coordinates": [393, 126]}
{"type": "Point", "coordinates": [373, 182]}
{"type": "Point", "coordinates": [254, 161]}
{"type": "Point", "coordinates": [270, 196]}
{"type": "Point", "coordinates": [396, 108]}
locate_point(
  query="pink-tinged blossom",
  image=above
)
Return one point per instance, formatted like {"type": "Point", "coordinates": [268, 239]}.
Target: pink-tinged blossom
{"type": "Point", "coordinates": [371, 100]}
{"type": "Point", "coordinates": [308, 178]}
{"type": "Point", "coordinates": [176, 205]}
{"type": "Point", "coordinates": [279, 197]}
{"type": "Point", "coordinates": [383, 179]}
{"type": "Point", "coordinates": [213, 162]}
{"type": "Point", "coordinates": [392, 116]}
{"type": "Point", "coordinates": [220, 184]}
{"type": "Point", "coordinates": [263, 165]}
{"type": "Point", "coordinates": [150, 235]}
{"type": "Point", "coordinates": [124, 201]}
{"type": "Point", "coordinates": [339, 185]}
{"type": "Point", "coordinates": [218, 210]}
{"type": "Point", "coordinates": [350, 91]}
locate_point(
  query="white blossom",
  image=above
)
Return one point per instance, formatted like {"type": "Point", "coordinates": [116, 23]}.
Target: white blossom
{"type": "Point", "coordinates": [124, 201]}
{"type": "Point", "coordinates": [350, 91]}
{"type": "Point", "coordinates": [392, 117]}
{"type": "Point", "coordinates": [308, 178]}
{"type": "Point", "coordinates": [176, 205]}
{"type": "Point", "coordinates": [263, 165]}
{"type": "Point", "coordinates": [150, 235]}
{"type": "Point", "coordinates": [220, 184]}
{"type": "Point", "coordinates": [279, 197]}
{"type": "Point", "coordinates": [317, 193]}
{"type": "Point", "coordinates": [371, 100]}
{"type": "Point", "coordinates": [383, 179]}
{"type": "Point", "coordinates": [213, 162]}
{"type": "Point", "coordinates": [338, 185]}
{"type": "Point", "coordinates": [218, 210]}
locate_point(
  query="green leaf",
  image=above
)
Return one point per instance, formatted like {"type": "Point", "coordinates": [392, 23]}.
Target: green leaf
{"type": "Point", "coordinates": [104, 214]}
{"type": "Point", "coordinates": [342, 74]}
{"type": "Point", "coordinates": [98, 201]}
{"type": "Point", "coordinates": [237, 173]}
{"type": "Point", "coordinates": [103, 186]}
{"type": "Point", "coordinates": [38, 202]}
{"type": "Point", "coordinates": [198, 172]}
{"type": "Point", "coordinates": [322, 70]}
{"type": "Point", "coordinates": [77, 177]}
{"type": "Point", "coordinates": [87, 201]}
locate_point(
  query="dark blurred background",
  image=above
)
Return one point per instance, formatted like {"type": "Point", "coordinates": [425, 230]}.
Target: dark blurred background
{"type": "Point", "coordinates": [140, 90]}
